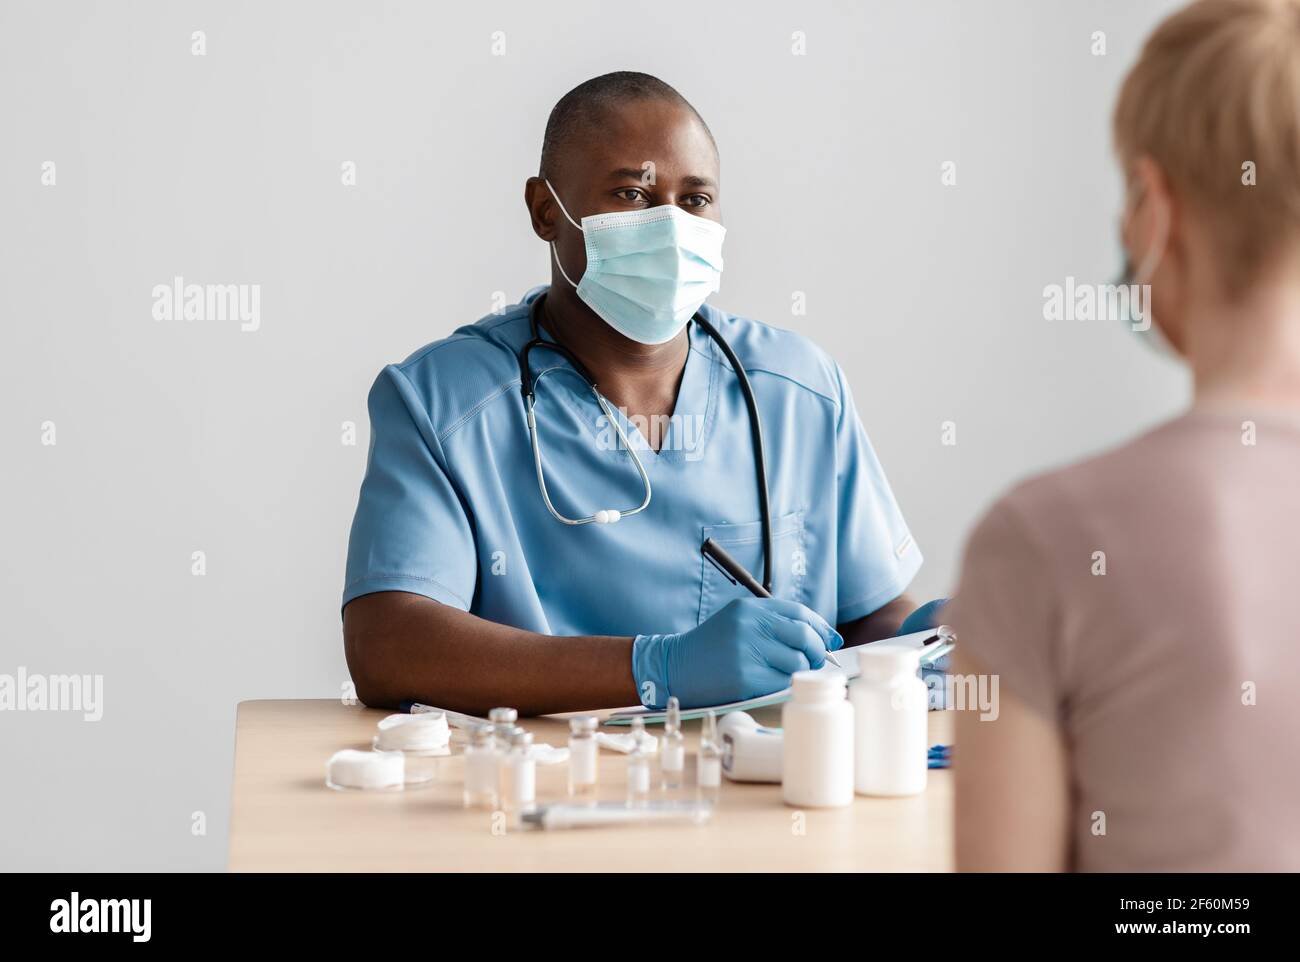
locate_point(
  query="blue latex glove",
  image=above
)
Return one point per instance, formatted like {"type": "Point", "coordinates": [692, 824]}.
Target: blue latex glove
{"type": "Point", "coordinates": [749, 648]}
{"type": "Point", "coordinates": [929, 615]}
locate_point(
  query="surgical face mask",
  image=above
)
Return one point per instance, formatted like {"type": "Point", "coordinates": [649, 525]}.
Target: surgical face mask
{"type": "Point", "coordinates": [1146, 268]}
{"type": "Point", "coordinates": [648, 271]}
{"type": "Point", "coordinates": [1138, 277]}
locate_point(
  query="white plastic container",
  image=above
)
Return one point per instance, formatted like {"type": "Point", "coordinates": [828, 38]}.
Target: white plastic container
{"type": "Point", "coordinates": [889, 709]}
{"type": "Point", "coordinates": [750, 752]}
{"type": "Point", "coordinates": [817, 752]}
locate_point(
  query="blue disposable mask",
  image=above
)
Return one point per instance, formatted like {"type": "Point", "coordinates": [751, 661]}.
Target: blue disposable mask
{"type": "Point", "coordinates": [1137, 277]}
{"type": "Point", "coordinates": [648, 271]}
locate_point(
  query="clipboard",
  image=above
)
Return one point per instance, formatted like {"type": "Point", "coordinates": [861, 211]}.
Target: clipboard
{"type": "Point", "coordinates": [933, 643]}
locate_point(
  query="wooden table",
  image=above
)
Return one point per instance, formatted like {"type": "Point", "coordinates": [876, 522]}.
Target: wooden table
{"type": "Point", "coordinates": [283, 818]}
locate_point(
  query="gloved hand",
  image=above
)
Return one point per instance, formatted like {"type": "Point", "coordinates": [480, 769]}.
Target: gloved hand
{"type": "Point", "coordinates": [749, 648]}
{"type": "Point", "coordinates": [929, 615]}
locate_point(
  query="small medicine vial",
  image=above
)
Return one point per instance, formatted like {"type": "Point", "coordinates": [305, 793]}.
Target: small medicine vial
{"type": "Point", "coordinates": [522, 772]}
{"type": "Point", "coordinates": [638, 765]}
{"type": "Point", "coordinates": [890, 702]}
{"type": "Point", "coordinates": [482, 769]}
{"type": "Point", "coordinates": [503, 725]}
{"type": "Point", "coordinates": [672, 747]}
{"type": "Point", "coordinates": [708, 762]}
{"type": "Point", "coordinates": [584, 755]}
{"type": "Point", "coordinates": [817, 754]}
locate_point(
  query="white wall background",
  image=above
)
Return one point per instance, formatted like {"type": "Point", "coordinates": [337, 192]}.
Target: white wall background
{"type": "Point", "coordinates": [175, 437]}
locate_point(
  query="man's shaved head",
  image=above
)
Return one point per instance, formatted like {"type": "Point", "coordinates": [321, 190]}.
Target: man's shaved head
{"type": "Point", "coordinates": [618, 143]}
{"type": "Point", "coordinates": [592, 102]}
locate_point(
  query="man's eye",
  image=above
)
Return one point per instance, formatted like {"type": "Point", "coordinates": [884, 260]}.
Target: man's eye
{"type": "Point", "coordinates": [696, 200]}
{"type": "Point", "coordinates": [631, 194]}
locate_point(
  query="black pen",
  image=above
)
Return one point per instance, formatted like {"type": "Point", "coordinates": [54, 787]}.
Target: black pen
{"type": "Point", "coordinates": [735, 572]}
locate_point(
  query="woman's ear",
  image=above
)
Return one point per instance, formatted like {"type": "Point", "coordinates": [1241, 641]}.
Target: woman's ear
{"type": "Point", "coordinates": [1157, 250]}
{"type": "Point", "coordinates": [1149, 219]}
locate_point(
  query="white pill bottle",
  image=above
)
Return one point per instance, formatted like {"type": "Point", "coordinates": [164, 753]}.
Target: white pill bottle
{"type": "Point", "coordinates": [817, 749]}
{"type": "Point", "coordinates": [889, 703]}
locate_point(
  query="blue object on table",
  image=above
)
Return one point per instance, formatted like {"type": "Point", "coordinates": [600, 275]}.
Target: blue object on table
{"type": "Point", "coordinates": [939, 756]}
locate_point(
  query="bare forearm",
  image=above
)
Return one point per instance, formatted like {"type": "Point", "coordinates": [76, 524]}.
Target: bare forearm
{"type": "Point", "coordinates": [884, 622]}
{"type": "Point", "coordinates": [1014, 809]}
{"type": "Point", "coordinates": [405, 646]}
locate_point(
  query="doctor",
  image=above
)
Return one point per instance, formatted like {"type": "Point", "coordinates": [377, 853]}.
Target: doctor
{"type": "Point", "coordinates": [560, 568]}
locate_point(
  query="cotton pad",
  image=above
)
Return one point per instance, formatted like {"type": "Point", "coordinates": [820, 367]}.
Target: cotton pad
{"type": "Point", "coordinates": [625, 743]}
{"type": "Point", "coordinates": [423, 734]}
{"type": "Point", "coordinates": [351, 768]}
{"type": "Point", "coordinates": [548, 754]}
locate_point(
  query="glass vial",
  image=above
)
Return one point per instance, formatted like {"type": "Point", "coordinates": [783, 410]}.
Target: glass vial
{"type": "Point", "coordinates": [482, 772]}
{"type": "Point", "coordinates": [521, 767]}
{"type": "Point", "coordinates": [503, 725]}
{"type": "Point", "coordinates": [672, 748]}
{"type": "Point", "coordinates": [708, 762]}
{"type": "Point", "coordinates": [638, 765]}
{"type": "Point", "coordinates": [584, 754]}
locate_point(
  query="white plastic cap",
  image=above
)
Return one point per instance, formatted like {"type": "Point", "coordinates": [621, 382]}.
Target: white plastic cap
{"type": "Point", "coordinates": [818, 685]}
{"type": "Point", "coordinates": [881, 662]}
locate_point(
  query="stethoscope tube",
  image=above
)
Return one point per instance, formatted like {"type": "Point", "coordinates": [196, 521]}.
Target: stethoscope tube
{"type": "Point", "coordinates": [529, 402]}
{"type": "Point", "coordinates": [756, 434]}
{"type": "Point", "coordinates": [527, 387]}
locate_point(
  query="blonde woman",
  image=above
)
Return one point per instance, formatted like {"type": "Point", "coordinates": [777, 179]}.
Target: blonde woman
{"type": "Point", "coordinates": [1149, 715]}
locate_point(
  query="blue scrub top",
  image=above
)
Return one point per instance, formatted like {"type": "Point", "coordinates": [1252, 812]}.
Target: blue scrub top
{"type": "Point", "coordinates": [450, 507]}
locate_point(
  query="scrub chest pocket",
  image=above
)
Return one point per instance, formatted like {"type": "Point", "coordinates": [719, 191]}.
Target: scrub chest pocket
{"type": "Point", "coordinates": [744, 542]}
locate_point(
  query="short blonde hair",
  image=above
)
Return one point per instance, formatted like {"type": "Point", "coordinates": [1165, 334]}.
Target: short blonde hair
{"type": "Point", "coordinates": [1217, 86]}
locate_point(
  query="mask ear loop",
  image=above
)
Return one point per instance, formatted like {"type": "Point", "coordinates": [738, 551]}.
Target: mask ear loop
{"type": "Point", "coordinates": [554, 252]}
{"type": "Point", "coordinates": [563, 272]}
{"type": "Point", "coordinates": [1146, 268]}
{"type": "Point", "coordinates": [1140, 277]}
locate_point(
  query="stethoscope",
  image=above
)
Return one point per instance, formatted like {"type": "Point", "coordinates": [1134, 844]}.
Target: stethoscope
{"type": "Point", "coordinates": [527, 385]}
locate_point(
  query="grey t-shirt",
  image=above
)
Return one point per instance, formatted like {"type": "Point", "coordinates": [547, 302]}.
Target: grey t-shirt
{"type": "Point", "coordinates": [1172, 674]}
